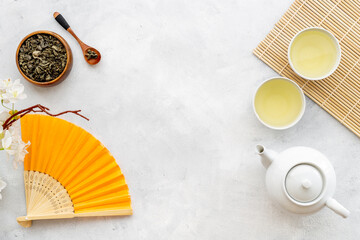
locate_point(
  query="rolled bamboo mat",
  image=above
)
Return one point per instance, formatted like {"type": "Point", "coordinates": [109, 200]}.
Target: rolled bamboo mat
{"type": "Point", "coordinates": [338, 94]}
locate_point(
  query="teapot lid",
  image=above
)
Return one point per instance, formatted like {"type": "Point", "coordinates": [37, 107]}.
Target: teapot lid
{"type": "Point", "coordinates": [304, 183]}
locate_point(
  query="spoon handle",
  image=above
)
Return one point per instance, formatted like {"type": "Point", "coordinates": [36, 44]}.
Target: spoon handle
{"type": "Point", "coordinates": [61, 20]}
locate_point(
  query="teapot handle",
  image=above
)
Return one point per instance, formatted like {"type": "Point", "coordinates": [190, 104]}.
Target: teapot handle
{"type": "Point", "coordinates": [337, 207]}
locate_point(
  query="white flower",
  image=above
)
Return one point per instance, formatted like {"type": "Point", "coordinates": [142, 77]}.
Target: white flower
{"type": "Point", "coordinates": [5, 84]}
{"type": "Point", "coordinates": [4, 115]}
{"type": "Point", "coordinates": [10, 139]}
{"type": "Point", "coordinates": [14, 146]}
{"type": "Point", "coordinates": [7, 143]}
{"type": "Point", "coordinates": [14, 93]}
{"type": "Point", "coordinates": [20, 152]}
{"type": "Point", "coordinates": [2, 186]}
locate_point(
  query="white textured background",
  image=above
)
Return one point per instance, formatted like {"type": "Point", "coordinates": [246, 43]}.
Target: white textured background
{"type": "Point", "coordinates": [171, 99]}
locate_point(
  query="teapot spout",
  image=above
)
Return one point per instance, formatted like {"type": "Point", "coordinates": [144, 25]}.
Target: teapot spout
{"type": "Point", "coordinates": [267, 156]}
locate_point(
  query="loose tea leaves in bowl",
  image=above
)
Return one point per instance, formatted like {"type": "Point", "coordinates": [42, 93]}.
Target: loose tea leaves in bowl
{"type": "Point", "coordinates": [42, 57]}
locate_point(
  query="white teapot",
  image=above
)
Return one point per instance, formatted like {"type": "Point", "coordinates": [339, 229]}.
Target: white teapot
{"type": "Point", "coordinates": [301, 179]}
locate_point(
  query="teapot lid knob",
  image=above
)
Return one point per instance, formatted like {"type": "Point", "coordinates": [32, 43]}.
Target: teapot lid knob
{"type": "Point", "coordinates": [304, 183]}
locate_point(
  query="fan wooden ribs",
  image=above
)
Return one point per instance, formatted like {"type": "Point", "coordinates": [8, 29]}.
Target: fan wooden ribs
{"type": "Point", "coordinates": [45, 195]}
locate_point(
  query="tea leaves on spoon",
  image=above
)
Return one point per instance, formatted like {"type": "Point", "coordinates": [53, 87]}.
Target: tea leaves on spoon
{"type": "Point", "coordinates": [91, 54]}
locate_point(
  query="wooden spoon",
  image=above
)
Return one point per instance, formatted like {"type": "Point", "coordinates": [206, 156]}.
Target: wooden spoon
{"type": "Point", "coordinates": [89, 52]}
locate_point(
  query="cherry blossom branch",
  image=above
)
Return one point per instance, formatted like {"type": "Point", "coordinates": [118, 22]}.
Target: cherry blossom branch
{"type": "Point", "coordinates": [35, 109]}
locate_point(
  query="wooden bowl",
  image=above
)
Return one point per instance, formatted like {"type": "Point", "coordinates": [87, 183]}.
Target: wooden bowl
{"type": "Point", "coordinates": [68, 66]}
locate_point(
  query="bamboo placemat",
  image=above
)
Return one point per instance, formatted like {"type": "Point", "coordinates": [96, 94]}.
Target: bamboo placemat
{"type": "Point", "coordinates": [338, 94]}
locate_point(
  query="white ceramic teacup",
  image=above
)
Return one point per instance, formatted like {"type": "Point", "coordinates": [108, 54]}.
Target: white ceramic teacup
{"type": "Point", "coordinates": [335, 64]}
{"type": "Point", "coordinates": [299, 110]}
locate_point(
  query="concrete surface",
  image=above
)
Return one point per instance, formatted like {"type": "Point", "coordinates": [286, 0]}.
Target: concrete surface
{"type": "Point", "coordinates": [171, 99]}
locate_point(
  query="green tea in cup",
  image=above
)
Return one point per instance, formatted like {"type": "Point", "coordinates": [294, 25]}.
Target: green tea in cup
{"type": "Point", "coordinates": [279, 103]}
{"type": "Point", "coordinates": [314, 53]}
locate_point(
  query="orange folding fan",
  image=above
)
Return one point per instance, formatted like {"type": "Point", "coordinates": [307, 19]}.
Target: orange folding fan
{"type": "Point", "coordinates": [69, 173]}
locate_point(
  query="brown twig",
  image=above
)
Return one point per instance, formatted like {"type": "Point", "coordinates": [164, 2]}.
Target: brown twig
{"type": "Point", "coordinates": [36, 108]}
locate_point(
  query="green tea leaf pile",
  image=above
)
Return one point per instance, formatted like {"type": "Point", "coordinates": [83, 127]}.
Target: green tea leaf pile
{"type": "Point", "coordinates": [42, 57]}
